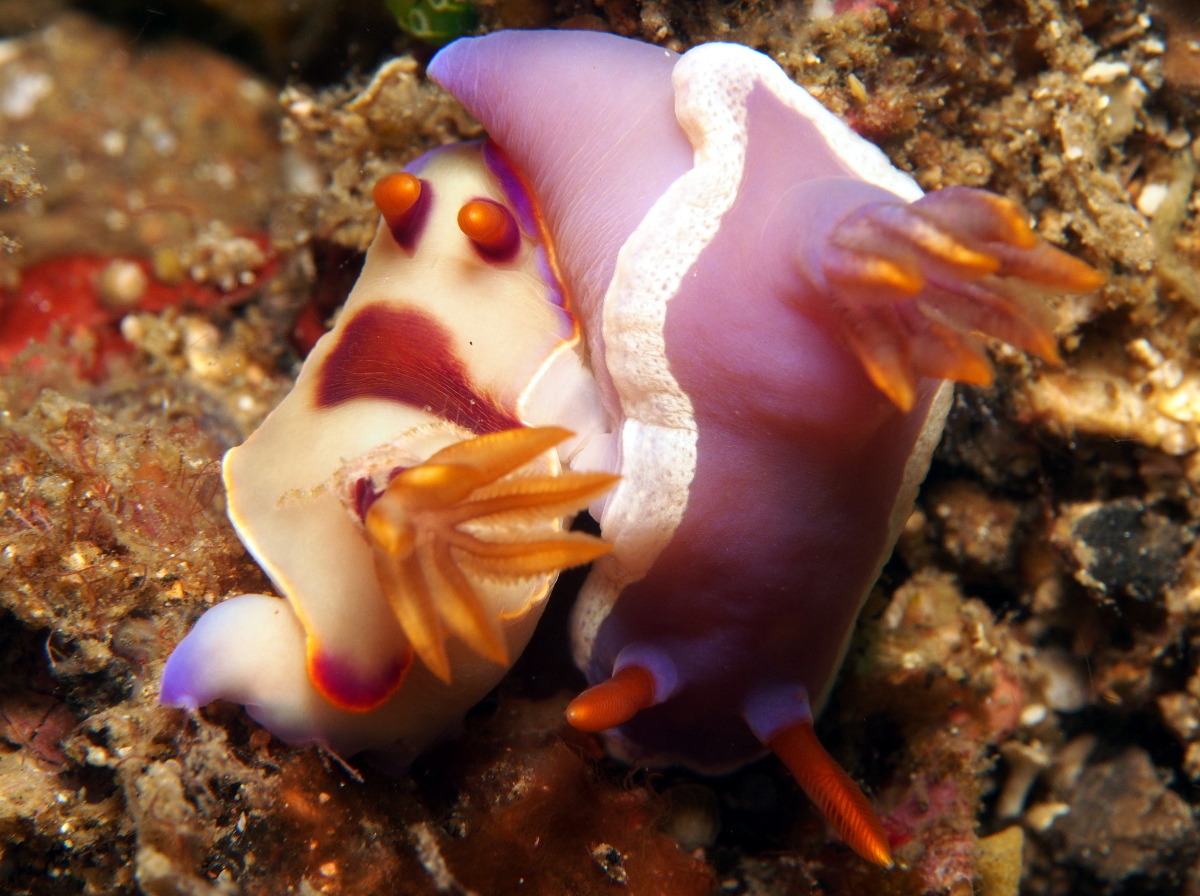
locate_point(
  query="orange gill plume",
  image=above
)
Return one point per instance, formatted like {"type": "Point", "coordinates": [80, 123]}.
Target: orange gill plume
{"type": "Point", "coordinates": [426, 554]}
{"type": "Point", "coordinates": [912, 281]}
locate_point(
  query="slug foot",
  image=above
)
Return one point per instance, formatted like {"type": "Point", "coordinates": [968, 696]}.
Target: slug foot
{"type": "Point", "coordinates": [469, 516]}
{"type": "Point", "coordinates": [913, 281]}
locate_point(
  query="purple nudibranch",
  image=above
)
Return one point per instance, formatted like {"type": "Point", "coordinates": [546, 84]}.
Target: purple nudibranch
{"type": "Point", "coordinates": [681, 271]}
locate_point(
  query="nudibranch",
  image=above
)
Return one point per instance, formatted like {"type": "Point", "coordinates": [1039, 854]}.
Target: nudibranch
{"type": "Point", "coordinates": [771, 313]}
{"type": "Point", "coordinates": [741, 310]}
{"type": "Point", "coordinates": [406, 497]}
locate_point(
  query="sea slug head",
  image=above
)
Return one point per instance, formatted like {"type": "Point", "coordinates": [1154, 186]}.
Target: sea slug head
{"type": "Point", "coordinates": [397, 497]}
{"type": "Point", "coordinates": [772, 312]}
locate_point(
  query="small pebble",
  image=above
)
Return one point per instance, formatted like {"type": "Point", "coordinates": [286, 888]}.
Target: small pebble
{"type": "Point", "coordinates": [168, 267]}
{"type": "Point", "coordinates": [1105, 72]}
{"type": "Point", "coordinates": [1177, 138]}
{"type": "Point", "coordinates": [1151, 198]}
{"type": "Point", "coordinates": [122, 284]}
{"type": "Point", "coordinates": [695, 816]}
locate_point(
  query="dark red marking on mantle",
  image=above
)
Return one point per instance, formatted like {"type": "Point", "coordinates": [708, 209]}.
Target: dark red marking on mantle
{"type": "Point", "coordinates": [404, 355]}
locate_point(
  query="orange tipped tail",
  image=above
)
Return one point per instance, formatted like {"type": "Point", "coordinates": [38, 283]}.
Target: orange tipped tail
{"type": "Point", "coordinates": [613, 702]}
{"type": "Point", "coordinates": [831, 789]}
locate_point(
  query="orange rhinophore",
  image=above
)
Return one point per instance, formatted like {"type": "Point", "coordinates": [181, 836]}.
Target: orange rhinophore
{"type": "Point", "coordinates": [396, 194]}
{"type": "Point", "coordinates": [404, 203]}
{"type": "Point", "coordinates": [490, 227]}
{"type": "Point", "coordinates": [613, 702]}
{"type": "Point", "coordinates": [830, 788]}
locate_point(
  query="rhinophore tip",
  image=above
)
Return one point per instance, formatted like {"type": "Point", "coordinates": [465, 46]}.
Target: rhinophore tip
{"type": "Point", "coordinates": [613, 702]}
{"type": "Point", "coordinates": [834, 793]}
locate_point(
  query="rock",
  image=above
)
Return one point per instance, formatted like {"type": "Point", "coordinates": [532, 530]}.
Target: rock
{"type": "Point", "coordinates": [1125, 823]}
{"type": "Point", "coordinates": [1123, 548]}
